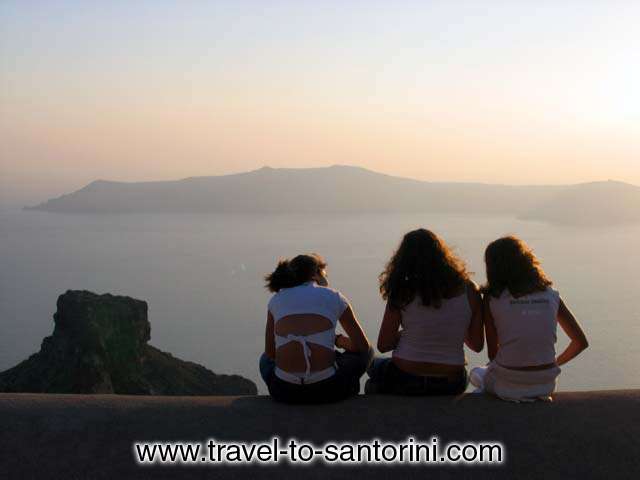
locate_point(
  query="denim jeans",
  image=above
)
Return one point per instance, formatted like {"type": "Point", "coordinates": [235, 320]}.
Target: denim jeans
{"type": "Point", "coordinates": [386, 378]}
{"type": "Point", "coordinates": [345, 383]}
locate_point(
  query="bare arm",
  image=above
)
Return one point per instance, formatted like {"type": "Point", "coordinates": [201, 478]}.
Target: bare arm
{"type": "Point", "coordinates": [356, 340]}
{"type": "Point", "coordinates": [269, 338]}
{"type": "Point", "coordinates": [572, 328]}
{"type": "Point", "coordinates": [389, 334]}
{"type": "Point", "coordinates": [489, 328]}
{"type": "Point", "coordinates": [475, 334]}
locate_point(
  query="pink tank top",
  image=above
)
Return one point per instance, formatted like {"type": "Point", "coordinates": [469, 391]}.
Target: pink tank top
{"type": "Point", "coordinates": [435, 335]}
{"type": "Point", "coordinates": [526, 328]}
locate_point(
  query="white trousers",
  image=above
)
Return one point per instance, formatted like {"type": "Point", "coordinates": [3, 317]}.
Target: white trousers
{"type": "Point", "coordinates": [515, 385]}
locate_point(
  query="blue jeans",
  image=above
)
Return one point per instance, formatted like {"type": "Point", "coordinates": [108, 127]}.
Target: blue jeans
{"type": "Point", "coordinates": [386, 378]}
{"type": "Point", "coordinates": [350, 367]}
{"type": "Point", "coordinates": [267, 367]}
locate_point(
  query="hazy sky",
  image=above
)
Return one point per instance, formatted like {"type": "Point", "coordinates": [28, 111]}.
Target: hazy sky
{"type": "Point", "coordinates": [493, 91]}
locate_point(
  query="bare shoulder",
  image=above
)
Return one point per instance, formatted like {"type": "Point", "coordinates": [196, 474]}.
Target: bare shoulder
{"type": "Point", "coordinates": [473, 290]}
{"type": "Point", "coordinates": [472, 286]}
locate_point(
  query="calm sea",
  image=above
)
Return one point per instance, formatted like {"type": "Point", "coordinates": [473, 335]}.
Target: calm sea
{"type": "Point", "coordinates": [202, 277]}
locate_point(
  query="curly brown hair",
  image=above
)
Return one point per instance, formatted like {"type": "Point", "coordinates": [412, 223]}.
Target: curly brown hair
{"type": "Point", "coordinates": [294, 272]}
{"type": "Point", "coordinates": [512, 265]}
{"type": "Point", "coordinates": [424, 266]}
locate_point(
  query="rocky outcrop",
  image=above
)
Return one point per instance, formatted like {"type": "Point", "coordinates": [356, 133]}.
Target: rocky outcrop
{"type": "Point", "coordinates": [99, 345]}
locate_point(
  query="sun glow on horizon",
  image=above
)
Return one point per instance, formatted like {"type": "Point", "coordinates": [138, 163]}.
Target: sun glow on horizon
{"type": "Point", "coordinates": [449, 91]}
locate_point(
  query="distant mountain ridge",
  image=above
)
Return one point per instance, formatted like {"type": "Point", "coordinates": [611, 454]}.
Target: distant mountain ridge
{"type": "Point", "coordinates": [347, 189]}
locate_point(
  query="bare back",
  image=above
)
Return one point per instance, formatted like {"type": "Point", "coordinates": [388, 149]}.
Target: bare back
{"type": "Point", "coordinates": [290, 357]}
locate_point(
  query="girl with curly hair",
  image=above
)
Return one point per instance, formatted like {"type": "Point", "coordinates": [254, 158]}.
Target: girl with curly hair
{"type": "Point", "coordinates": [433, 309]}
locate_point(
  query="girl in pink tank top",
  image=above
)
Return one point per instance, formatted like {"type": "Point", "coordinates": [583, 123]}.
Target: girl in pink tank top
{"type": "Point", "coordinates": [433, 309]}
{"type": "Point", "coordinates": [521, 314]}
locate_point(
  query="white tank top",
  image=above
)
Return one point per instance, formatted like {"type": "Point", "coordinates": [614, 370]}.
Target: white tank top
{"type": "Point", "coordinates": [308, 298]}
{"type": "Point", "coordinates": [526, 328]}
{"type": "Point", "coordinates": [435, 335]}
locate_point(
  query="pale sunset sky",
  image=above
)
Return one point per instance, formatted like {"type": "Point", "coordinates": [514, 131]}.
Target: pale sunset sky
{"type": "Point", "coordinates": [520, 92]}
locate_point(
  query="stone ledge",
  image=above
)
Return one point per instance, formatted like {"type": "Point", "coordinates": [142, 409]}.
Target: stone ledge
{"type": "Point", "coordinates": [579, 435]}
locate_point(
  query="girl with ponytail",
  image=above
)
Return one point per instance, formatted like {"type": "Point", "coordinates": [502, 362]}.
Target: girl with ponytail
{"type": "Point", "coordinates": [300, 363]}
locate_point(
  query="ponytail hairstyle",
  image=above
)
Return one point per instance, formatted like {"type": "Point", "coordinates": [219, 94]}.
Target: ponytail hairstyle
{"type": "Point", "coordinates": [512, 265]}
{"type": "Point", "coordinates": [294, 272]}
{"type": "Point", "coordinates": [423, 266]}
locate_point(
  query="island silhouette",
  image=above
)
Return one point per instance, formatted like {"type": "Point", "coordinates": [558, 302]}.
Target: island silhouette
{"type": "Point", "coordinates": [349, 189]}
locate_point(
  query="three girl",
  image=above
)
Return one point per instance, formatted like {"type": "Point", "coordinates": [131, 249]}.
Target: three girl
{"type": "Point", "coordinates": [433, 309]}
